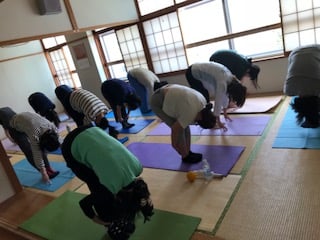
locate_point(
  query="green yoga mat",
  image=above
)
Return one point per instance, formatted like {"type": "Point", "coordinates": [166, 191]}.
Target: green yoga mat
{"type": "Point", "coordinates": [63, 219]}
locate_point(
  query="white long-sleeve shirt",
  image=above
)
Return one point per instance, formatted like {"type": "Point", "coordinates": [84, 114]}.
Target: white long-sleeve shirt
{"type": "Point", "coordinates": [215, 78]}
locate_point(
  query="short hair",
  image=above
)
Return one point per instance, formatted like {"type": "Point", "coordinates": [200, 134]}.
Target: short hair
{"type": "Point", "coordinates": [103, 124]}
{"type": "Point", "coordinates": [306, 108]}
{"type": "Point", "coordinates": [237, 92]}
{"type": "Point", "coordinates": [208, 120]}
{"type": "Point", "coordinates": [133, 101]}
{"type": "Point", "coordinates": [49, 141]}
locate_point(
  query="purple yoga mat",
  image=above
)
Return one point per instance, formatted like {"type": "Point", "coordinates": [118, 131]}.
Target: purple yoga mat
{"type": "Point", "coordinates": [163, 156]}
{"type": "Point", "coordinates": [239, 126]}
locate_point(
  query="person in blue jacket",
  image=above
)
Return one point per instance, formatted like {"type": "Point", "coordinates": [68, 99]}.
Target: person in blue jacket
{"type": "Point", "coordinates": [122, 98]}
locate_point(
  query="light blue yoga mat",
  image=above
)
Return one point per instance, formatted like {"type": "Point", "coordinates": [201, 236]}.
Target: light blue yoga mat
{"type": "Point", "coordinates": [140, 124]}
{"type": "Point", "coordinates": [290, 135]}
{"type": "Point", "coordinates": [29, 177]}
{"type": "Point", "coordinates": [134, 113]}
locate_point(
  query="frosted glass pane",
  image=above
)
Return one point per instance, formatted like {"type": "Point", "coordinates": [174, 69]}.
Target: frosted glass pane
{"type": "Point", "coordinates": [134, 58]}
{"type": "Point", "coordinates": [162, 52]}
{"type": "Point", "coordinates": [138, 44]}
{"type": "Point", "coordinates": [147, 27]}
{"type": "Point", "coordinates": [149, 6]}
{"type": "Point", "coordinates": [171, 50]}
{"type": "Point", "coordinates": [164, 21]}
{"type": "Point", "coordinates": [120, 36]}
{"type": "Point", "coordinates": [159, 39]}
{"type": "Point", "coordinates": [165, 65]}
{"type": "Point", "coordinates": [179, 48]}
{"type": "Point", "coordinates": [197, 21]}
{"type": "Point", "coordinates": [157, 67]}
{"type": "Point", "coordinates": [167, 37]}
{"type": "Point", "coordinates": [173, 18]}
{"type": "Point", "coordinates": [317, 32]}
{"type": "Point", "coordinates": [316, 3]}
{"type": "Point", "coordinates": [124, 48]}
{"type": "Point", "coordinates": [304, 5]}
{"type": "Point", "coordinates": [151, 41]}
{"type": "Point", "coordinates": [154, 54]}
{"type": "Point", "coordinates": [176, 34]}
{"type": "Point", "coordinates": [290, 23]}
{"type": "Point", "coordinates": [131, 46]}
{"type": "Point", "coordinates": [305, 20]}
{"type": "Point", "coordinates": [183, 62]}
{"type": "Point", "coordinates": [317, 17]}
{"type": "Point", "coordinates": [135, 31]}
{"type": "Point", "coordinates": [127, 34]}
{"type": "Point", "coordinates": [156, 27]}
{"type": "Point", "coordinates": [307, 37]}
{"type": "Point", "coordinates": [288, 7]}
{"type": "Point", "coordinates": [174, 65]}
{"type": "Point", "coordinates": [204, 52]}
{"type": "Point", "coordinates": [291, 41]}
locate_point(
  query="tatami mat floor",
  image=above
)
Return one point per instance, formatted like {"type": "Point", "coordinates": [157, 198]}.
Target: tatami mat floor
{"type": "Point", "coordinates": [269, 194]}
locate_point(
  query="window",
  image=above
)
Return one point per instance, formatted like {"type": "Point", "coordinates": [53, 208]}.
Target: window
{"type": "Point", "coordinates": [62, 67]}
{"type": "Point", "coordinates": [208, 26]}
{"type": "Point", "coordinates": [165, 43]}
{"type": "Point", "coordinates": [301, 22]}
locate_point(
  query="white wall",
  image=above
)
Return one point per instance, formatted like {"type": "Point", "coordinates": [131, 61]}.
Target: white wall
{"type": "Point", "coordinates": [20, 19]}
{"type": "Point", "coordinates": [23, 74]}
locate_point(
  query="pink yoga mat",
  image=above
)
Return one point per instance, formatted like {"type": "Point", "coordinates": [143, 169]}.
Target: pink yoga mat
{"type": "Point", "coordinates": [239, 126]}
{"type": "Point", "coordinates": [162, 156]}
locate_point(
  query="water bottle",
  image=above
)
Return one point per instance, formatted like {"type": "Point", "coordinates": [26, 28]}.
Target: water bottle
{"type": "Point", "coordinates": [203, 173]}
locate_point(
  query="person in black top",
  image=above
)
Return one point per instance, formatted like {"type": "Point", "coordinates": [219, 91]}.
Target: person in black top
{"type": "Point", "coordinates": [238, 65]}
{"type": "Point", "coordinates": [121, 96]}
{"type": "Point", "coordinates": [42, 105]}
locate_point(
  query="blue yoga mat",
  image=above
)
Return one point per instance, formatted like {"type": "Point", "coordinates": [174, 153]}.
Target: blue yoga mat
{"type": "Point", "coordinates": [140, 124]}
{"type": "Point", "coordinates": [134, 113]}
{"type": "Point", "coordinates": [290, 135]}
{"type": "Point", "coordinates": [29, 177]}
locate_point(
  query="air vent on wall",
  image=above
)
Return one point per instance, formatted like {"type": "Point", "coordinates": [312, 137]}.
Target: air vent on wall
{"type": "Point", "coordinates": [47, 7]}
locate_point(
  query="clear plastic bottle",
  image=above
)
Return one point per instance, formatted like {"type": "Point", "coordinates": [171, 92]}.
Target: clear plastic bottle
{"type": "Point", "coordinates": [204, 173]}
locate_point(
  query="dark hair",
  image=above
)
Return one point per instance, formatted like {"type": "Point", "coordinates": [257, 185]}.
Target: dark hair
{"type": "Point", "coordinates": [237, 92]}
{"type": "Point", "coordinates": [158, 85]}
{"type": "Point", "coordinates": [307, 108]}
{"type": "Point", "coordinates": [208, 120]}
{"type": "Point", "coordinates": [254, 71]}
{"type": "Point", "coordinates": [133, 101]}
{"type": "Point", "coordinates": [53, 116]}
{"type": "Point", "coordinates": [49, 141]}
{"type": "Point", "coordinates": [103, 124]}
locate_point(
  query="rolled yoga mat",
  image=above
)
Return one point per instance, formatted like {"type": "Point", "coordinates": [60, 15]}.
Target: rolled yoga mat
{"type": "Point", "coordinates": [162, 156]}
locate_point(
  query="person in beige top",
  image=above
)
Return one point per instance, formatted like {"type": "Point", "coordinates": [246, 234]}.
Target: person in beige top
{"type": "Point", "coordinates": [143, 80]}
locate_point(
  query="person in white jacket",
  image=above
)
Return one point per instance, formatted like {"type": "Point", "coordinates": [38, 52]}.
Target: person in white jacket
{"type": "Point", "coordinates": [217, 83]}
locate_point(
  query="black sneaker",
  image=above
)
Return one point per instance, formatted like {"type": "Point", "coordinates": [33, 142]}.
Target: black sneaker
{"type": "Point", "coordinates": [53, 174]}
{"type": "Point", "coordinates": [192, 158]}
{"type": "Point", "coordinates": [126, 125]}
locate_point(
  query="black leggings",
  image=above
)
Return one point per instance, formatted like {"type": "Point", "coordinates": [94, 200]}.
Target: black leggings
{"type": "Point", "coordinates": [197, 84]}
